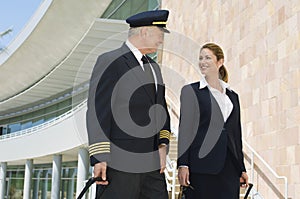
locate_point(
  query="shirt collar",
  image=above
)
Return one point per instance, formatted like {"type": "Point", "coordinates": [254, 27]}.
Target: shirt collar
{"type": "Point", "coordinates": [203, 84]}
{"type": "Point", "coordinates": [138, 55]}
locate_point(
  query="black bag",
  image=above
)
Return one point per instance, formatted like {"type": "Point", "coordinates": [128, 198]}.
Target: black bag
{"type": "Point", "coordinates": [87, 186]}
{"type": "Point", "coordinates": [181, 194]}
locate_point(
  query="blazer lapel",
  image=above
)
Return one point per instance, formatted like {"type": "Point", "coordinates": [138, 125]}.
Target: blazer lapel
{"type": "Point", "coordinates": [157, 72]}
{"type": "Point", "coordinates": [136, 69]}
{"type": "Point", "coordinates": [229, 121]}
{"type": "Point", "coordinates": [230, 95]}
{"type": "Point", "coordinates": [215, 124]}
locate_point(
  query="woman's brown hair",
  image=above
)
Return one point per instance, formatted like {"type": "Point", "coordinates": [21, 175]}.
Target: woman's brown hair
{"type": "Point", "coordinates": [218, 52]}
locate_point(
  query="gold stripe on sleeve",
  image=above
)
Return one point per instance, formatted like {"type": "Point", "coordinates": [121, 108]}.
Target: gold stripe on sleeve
{"type": "Point", "coordinates": [164, 134]}
{"type": "Point", "coordinates": [101, 147]}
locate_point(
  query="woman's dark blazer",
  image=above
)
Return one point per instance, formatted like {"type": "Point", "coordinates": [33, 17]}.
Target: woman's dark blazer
{"type": "Point", "coordinates": [118, 108]}
{"type": "Point", "coordinates": [202, 128]}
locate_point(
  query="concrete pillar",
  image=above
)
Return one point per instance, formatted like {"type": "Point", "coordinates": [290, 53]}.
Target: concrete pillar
{"type": "Point", "coordinates": [82, 169]}
{"type": "Point", "coordinates": [45, 184]}
{"type": "Point", "coordinates": [36, 185]}
{"type": "Point", "coordinates": [63, 183]}
{"type": "Point", "coordinates": [27, 179]}
{"type": "Point", "coordinates": [56, 176]}
{"type": "Point", "coordinates": [71, 183]}
{"type": "Point", "coordinates": [3, 167]}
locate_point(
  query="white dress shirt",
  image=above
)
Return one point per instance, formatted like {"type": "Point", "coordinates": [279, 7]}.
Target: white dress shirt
{"type": "Point", "coordinates": [138, 55]}
{"type": "Point", "coordinates": [222, 99]}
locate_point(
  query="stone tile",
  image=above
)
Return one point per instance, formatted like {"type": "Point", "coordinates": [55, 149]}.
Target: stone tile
{"type": "Point", "coordinates": [261, 41]}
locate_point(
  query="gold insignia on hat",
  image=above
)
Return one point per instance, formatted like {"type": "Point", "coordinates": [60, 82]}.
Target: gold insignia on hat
{"type": "Point", "coordinates": [159, 22]}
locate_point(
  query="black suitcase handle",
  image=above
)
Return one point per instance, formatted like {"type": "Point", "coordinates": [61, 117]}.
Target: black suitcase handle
{"type": "Point", "coordinates": [91, 181]}
{"type": "Point", "coordinates": [248, 190]}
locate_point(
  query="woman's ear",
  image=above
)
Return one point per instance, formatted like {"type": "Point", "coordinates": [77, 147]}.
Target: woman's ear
{"type": "Point", "coordinates": [220, 63]}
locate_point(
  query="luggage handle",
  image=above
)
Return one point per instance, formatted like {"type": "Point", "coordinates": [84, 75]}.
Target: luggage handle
{"type": "Point", "coordinates": [248, 190]}
{"type": "Point", "coordinates": [91, 181]}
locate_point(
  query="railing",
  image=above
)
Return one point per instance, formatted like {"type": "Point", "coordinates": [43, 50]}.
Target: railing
{"type": "Point", "coordinates": [45, 124]}
{"type": "Point", "coordinates": [254, 153]}
{"type": "Point", "coordinates": [171, 167]}
{"type": "Point", "coordinates": [171, 164]}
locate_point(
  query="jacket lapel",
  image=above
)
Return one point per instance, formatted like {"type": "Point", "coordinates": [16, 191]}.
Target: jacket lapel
{"type": "Point", "coordinates": [230, 95]}
{"type": "Point", "coordinates": [229, 121]}
{"type": "Point", "coordinates": [137, 71]}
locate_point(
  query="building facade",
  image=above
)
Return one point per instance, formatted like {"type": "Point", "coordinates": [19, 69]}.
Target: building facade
{"type": "Point", "coordinates": [261, 42]}
{"type": "Point", "coordinates": [42, 114]}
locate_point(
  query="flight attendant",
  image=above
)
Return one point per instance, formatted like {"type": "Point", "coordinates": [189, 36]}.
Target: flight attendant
{"type": "Point", "coordinates": [210, 156]}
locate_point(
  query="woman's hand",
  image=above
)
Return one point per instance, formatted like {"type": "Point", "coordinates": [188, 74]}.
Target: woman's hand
{"type": "Point", "coordinates": [184, 176]}
{"type": "Point", "coordinates": [244, 180]}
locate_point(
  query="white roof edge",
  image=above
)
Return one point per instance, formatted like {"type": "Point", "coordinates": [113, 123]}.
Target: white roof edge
{"type": "Point", "coordinates": [26, 31]}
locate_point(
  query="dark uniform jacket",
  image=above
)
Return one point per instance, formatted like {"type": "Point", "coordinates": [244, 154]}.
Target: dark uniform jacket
{"type": "Point", "coordinates": [200, 115]}
{"type": "Point", "coordinates": [118, 118]}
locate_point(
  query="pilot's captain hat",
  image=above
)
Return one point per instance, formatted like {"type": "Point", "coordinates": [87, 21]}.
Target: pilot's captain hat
{"type": "Point", "coordinates": [150, 18]}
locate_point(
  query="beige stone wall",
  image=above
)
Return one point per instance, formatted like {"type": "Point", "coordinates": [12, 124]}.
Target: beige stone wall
{"type": "Point", "coordinates": [261, 41]}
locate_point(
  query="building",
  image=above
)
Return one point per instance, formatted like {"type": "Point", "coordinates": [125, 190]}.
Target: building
{"type": "Point", "coordinates": [45, 73]}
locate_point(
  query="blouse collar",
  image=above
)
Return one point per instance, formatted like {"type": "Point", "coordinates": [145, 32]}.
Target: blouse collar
{"type": "Point", "coordinates": [203, 84]}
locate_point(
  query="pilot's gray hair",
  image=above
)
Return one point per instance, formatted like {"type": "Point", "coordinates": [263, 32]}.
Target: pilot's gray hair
{"type": "Point", "coordinates": [133, 31]}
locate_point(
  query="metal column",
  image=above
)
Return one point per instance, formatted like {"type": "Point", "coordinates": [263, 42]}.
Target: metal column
{"type": "Point", "coordinates": [56, 176]}
{"type": "Point", "coordinates": [44, 191]}
{"type": "Point", "coordinates": [27, 179]}
{"type": "Point", "coordinates": [3, 179]}
{"type": "Point", "coordinates": [83, 168]}
{"type": "Point", "coordinates": [36, 185]}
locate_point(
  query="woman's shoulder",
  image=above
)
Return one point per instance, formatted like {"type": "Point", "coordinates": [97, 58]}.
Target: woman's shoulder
{"type": "Point", "coordinates": [190, 89]}
{"type": "Point", "coordinates": [191, 85]}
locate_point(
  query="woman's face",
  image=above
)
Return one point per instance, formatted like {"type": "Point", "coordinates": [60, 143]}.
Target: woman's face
{"type": "Point", "coordinates": [208, 63]}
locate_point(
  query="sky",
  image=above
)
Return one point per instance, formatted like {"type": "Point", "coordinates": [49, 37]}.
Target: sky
{"type": "Point", "coordinates": [15, 14]}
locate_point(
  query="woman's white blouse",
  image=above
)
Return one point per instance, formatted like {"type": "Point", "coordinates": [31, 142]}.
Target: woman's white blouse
{"type": "Point", "coordinates": [222, 99]}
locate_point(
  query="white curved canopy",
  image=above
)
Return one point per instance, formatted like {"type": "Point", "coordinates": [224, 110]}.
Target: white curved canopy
{"type": "Point", "coordinates": [57, 54]}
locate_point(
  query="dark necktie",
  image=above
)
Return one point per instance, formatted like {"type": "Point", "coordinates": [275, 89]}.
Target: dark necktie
{"type": "Point", "coordinates": [149, 74]}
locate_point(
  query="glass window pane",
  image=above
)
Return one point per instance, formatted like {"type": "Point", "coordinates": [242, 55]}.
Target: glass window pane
{"type": "Point", "coordinates": [14, 127]}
